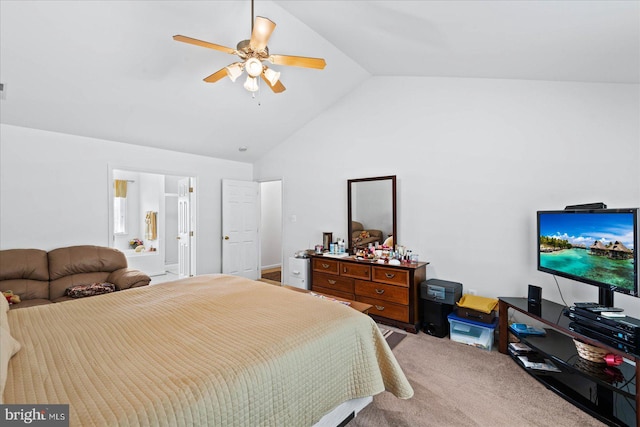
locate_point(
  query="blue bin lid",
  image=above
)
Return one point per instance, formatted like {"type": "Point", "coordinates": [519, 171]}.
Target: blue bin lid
{"type": "Point", "coordinates": [472, 322]}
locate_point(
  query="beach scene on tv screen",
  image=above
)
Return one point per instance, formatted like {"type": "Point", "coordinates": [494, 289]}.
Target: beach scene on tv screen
{"type": "Point", "coordinates": [595, 246]}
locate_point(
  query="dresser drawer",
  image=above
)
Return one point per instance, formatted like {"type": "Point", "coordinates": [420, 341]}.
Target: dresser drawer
{"type": "Point", "coordinates": [326, 265]}
{"type": "Point", "coordinates": [391, 293]}
{"type": "Point", "coordinates": [386, 309]}
{"type": "Point", "coordinates": [392, 276]}
{"type": "Point", "coordinates": [334, 293]}
{"type": "Point", "coordinates": [358, 271]}
{"type": "Point", "coordinates": [329, 281]}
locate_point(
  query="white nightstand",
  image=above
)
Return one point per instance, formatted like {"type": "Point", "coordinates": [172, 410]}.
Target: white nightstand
{"type": "Point", "coordinates": [298, 273]}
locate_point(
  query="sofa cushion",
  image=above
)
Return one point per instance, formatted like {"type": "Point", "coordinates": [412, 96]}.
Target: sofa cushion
{"type": "Point", "coordinates": [25, 272]}
{"type": "Point", "coordinates": [84, 259]}
{"type": "Point", "coordinates": [81, 265]}
{"type": "Point", "coordinates": [26, 289]}
{"type": "Point", "coordinates": [58, 287]}
{"type": "Point", "coordinates": [28, 264]}
{"type": "Point", "coordinates": [30, 303]}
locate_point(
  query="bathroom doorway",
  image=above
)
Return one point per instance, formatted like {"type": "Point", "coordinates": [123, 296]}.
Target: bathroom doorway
{"type": "Point", "coordinates": [152, 221]}
{"type": "Point", "coordinates": [271, 231]}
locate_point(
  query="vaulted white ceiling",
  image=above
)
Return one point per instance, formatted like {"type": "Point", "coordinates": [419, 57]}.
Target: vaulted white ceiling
{"type": "Point", "coordinates": [110, 69]}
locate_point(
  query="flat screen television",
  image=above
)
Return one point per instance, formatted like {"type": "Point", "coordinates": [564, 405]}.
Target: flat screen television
{"type": "Point", "coordinates": [597, 247]}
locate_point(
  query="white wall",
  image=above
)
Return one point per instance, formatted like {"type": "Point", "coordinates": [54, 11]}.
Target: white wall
{"type": "Point", "coordinates": [475, 159]}
{"type": "Point", "coordinates": [54, 189]}
{"type": "Point", "coordinates": [271, 224]}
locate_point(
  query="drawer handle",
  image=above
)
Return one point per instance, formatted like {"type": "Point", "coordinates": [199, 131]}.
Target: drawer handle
{"type": "Point", "coordinates": [344, 270]}
{"type": "Point", "coordinates": [332, 282]}
{"type": "Point", "coordinates": [325, 265]}
{"type": "Point", "coordinates": [390, 275]}
{"type": "Point", "coordinates": [380, 307]}
{"type": "Point", "coordinates": [379, 291]}
{"type": "Point", "coordinates": [297, 273]}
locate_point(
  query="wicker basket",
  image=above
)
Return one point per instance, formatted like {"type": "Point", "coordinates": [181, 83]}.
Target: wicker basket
{"type": "Point", "coordinates": [590, 353]}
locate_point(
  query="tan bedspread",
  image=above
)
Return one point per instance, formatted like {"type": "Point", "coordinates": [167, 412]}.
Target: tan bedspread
{"type": "Point", "coordinates": [209, 350]}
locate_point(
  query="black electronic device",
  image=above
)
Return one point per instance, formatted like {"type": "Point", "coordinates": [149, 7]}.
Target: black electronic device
{"type": "Point", "coordinates": [586, 304]}
{"type": "Point", "coordinates": [628, 324]}
{"type": "Point", "coordinates": [587, 206]}
{"type": "Point", "coordinates": [611, 342]}
{"type": "Point", "coordinates": [601, 309]}
{"type": "Point", "coordinates": [535, 294]}
{"type": "Point", "coordinates": [434, 318]}
{"type": "Point", "coordinates": [594, 246]}
{"type": "Point", "coordinates": [631, 337]}
{"type": "Point", "coordinates": [534, 300]}
{"type": "Point", "coordinates": [438, 298]}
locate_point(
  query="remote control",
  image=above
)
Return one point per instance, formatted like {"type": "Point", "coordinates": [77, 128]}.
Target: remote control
{"type": "Point", "coordinates": [601, 309]}
{"type": "Point", "coordinates": [586, 304]}
{"type": "Point", "coordinates": [612, 314]}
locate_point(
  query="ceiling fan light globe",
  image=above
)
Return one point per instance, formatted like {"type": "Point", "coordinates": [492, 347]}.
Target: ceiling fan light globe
{"type": "Point", "coordinates": [234, 71]}
{"type": "Point", "coordinates": [272, 76]}
{"type": "Point", "coordinates": [262, 29]}
{"type": "Point", "coordinates": [251, 84]}
{"type": "Point", "coordinates": [253, 67]}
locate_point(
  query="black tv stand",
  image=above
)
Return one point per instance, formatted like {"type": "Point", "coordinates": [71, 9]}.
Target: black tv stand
{"type": "Point", "coordinates": [605, 297]}
{"type": "Point", "coordinates": [613, 400]}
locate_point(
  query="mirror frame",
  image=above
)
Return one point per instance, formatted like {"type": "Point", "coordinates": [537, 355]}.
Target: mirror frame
{"type": "Point", "coordinates": [393, 202]}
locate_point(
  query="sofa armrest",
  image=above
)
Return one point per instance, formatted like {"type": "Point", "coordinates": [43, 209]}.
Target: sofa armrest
{"type": "Point", "coordinates": [375, 233]}
{"type": "Point", "coordinates": [126, 278]}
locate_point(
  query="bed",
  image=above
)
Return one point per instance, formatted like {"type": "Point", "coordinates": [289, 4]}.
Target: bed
{"type": "Point", "coordinates": [208, 350]}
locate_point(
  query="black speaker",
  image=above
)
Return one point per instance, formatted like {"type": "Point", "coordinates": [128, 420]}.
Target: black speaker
{"type": "Point", "coordinates": [434, 318]}
{"type": "Point", "coordinates": [534, 301]}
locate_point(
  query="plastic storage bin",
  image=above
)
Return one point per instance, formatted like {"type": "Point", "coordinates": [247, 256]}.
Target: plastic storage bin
{"type": "Point", "coordinates": [472, 333]}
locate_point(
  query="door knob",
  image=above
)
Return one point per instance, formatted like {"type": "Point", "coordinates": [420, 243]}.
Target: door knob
{"type": "Point", "coordinates": [178, 237]}
{"type": "Point", "coordinates": [226, 237]}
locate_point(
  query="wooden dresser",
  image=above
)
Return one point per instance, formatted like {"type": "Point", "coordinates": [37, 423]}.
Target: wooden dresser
{"type": "Point", "coordinates": [392, 290]}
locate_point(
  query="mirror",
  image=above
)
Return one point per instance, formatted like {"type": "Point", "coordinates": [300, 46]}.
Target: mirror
{"type": "Point", "coordinates": [371, 206]}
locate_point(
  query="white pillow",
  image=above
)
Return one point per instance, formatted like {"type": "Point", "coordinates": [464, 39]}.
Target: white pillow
{"type": "Point", "coordinates": [8, 347]}
{"type": "Point", "coordinates": [4, 308]}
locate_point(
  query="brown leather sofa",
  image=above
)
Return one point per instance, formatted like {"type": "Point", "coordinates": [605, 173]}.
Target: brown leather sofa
{"type": "Point", "coordinates": [41, 277]}
{"type": "Point", "coordinates": [359, 236]}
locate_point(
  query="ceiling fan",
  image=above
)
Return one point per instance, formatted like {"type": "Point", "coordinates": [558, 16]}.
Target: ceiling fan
{"type": "Point", "coordinates": [253, 52]}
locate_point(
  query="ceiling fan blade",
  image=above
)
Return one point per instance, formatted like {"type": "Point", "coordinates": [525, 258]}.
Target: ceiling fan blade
{"type": "Point", "coordinates": [262, 29]}
{"type": "Point", "coordinates": [197, 42]}
{"type": "Point", "coordinates": [277, 88]}
{"type": "Point", "coordinates": [221, 73]}
{"type": "Point", "coordinates": [298, 61]}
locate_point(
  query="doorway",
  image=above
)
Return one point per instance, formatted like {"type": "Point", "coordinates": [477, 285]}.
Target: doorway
{"type": "Point", "coordinates": [144, 222]}
{"type": "Point", "coordinates": [252, 229]}
{"type": "Point", "coordinates": [271, 231]}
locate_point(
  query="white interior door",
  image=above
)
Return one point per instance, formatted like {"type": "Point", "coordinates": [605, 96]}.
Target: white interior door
{"type": "Point", "coordinates": [240, 219]}
{"type": "Point", "coordinates": [184, 228]}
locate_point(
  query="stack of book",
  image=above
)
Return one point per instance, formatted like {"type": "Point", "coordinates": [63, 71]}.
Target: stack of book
{"type": "Point", "coordinates": [531, 359]}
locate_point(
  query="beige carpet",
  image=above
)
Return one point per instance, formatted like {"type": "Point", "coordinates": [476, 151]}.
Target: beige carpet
{"type": "Point", "coordinates": [459, 385]}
